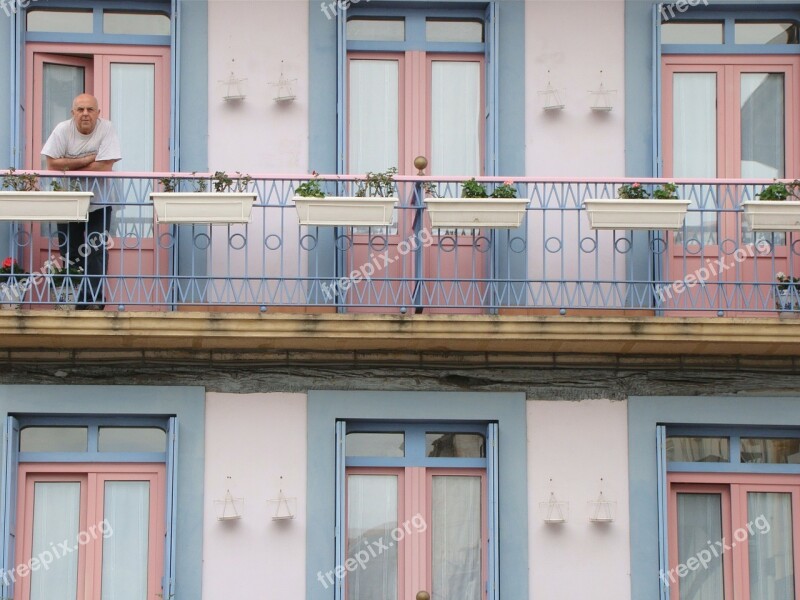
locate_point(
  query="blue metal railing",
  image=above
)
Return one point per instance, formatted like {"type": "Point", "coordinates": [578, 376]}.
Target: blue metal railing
{"type": "Point", "coordinates": [712, 266]}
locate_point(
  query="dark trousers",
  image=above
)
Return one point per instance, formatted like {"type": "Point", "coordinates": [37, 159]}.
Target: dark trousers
{"type": "Point", "coordinates": [84, 245]}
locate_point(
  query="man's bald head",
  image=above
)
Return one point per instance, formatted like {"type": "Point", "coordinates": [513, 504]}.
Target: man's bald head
{"type": "Point", "coordinates": [85, 113]}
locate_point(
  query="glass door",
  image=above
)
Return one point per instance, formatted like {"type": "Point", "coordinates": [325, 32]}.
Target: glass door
{"type": "Point", "coordinates": [727, 118]}
{"type": "Point", "coordinates": [416, 529]}
{"type": "Point", "coordinates": [132, 86]}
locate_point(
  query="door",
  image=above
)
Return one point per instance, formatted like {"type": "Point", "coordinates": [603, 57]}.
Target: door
{"type": "Point", "coordinates": [90, 532]}
{"type": "Point", "coordinates": [416, 529]}
{"type": "Point", "coordinates": [402, 105]}
{"type": "Point", "coordinates": [132, 86]}
{"type": "Point", "coordinates": [728, 117]}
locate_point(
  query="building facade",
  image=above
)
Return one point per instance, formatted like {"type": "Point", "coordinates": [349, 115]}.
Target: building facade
{"type": "Point", "coordinates": [280, 405]}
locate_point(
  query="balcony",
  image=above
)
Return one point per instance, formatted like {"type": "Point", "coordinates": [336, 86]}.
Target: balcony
{"type": "Point", "coordinates": [552, 264]}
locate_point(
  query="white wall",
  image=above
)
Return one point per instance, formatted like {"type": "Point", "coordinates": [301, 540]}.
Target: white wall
{"type": "Point", "coordinates": [259, 441]}
{"type": "Point", "coordinates": [575, 444]}
{"type": "Point", "coordinates": [252, 38]}
{"type": "Point", "coordinates": [575, 40]}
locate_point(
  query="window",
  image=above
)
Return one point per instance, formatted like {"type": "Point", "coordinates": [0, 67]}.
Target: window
{"type": "Point", "coordinates": [416, 501]}
{"type": "Point", "coordinates": [98, 490]}
{"type": "Point", "coordinates": [732, 514]}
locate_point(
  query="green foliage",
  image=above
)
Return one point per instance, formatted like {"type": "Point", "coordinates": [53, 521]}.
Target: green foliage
{"type": "Point", "coordinates": [784, 281]}
{"type": "Point", "coordinates": [668, 191]}
{"type": "Point", "coordinates": [378, 184]}
{"type": "Point", "coordinates": [779, 191]}
{"type": "Point", "coordinates": [65, 184]}
{"type": "Point", "coordinates": [170, 184]}
{"type": "Point", "coordinates": [222, 182]}
{"type": "Point", "coordinates": [505, 190]}
{"type": "Point", "coordinates": [310, 188]}
{"type": "Point", "coordinates": [21, 183]}
{"type": "Point", "coordinates": [632, 191]}
{"type": "Point", "coordinates": [59, 274]}
{"type": "Point", "coordinates": [473, 189]}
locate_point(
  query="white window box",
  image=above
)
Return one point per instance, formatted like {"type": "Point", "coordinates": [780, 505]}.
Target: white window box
{"type": "Point", "coordinates": [492, 213]}
{"type": "Point", "coordinates": [45, 206]}
{"type": "Point", "coordinates": [345, 211]}
{"type": "Point", "coordinates": [203, 207]}
{"type": "Point", "coordinates": [772, 215]}
{"type": "Point", "coordinates": [618, 213]}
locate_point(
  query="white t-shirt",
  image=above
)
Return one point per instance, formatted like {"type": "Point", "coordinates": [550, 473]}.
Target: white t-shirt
{"type": "Point", "coordinates": [67, 142]}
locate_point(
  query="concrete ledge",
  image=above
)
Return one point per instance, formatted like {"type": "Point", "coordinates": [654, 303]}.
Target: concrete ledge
{"type": "Point", "coordinates": [196, 335]}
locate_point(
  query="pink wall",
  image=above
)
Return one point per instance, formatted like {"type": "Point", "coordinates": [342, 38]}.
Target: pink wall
{"type": "Point", "coordinates": [259, 441]}
{"type": "Point", "coordinates": [259, 135]}
{"type": "Point", "coordinates": [576, 444]}
{"type": "Point", "coordinates": [575, 40]}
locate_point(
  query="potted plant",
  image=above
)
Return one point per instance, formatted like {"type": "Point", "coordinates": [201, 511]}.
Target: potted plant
{"type": "Point", "coordinates": [477, 208]}
{"type": "Point", "coordinates": [635, 209]}
{"type": "Point", "coordinates": [229, 202]}
{"type": "Point", "coordinates": [371, 206]}
{"type": "Point", "coordinates": [9, 290]}
{"type": "Point", "coordinates": [22, 200]}
{"type": "Point", "coordinates": [787, 297]}
{"type": "Point", "coordinates": [776, 208]}
{"type": "Point", "coordinates": [65, 282]}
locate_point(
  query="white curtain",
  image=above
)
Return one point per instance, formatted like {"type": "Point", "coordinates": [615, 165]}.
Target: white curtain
{"type": "Point", "coordinates": [456, 118]}
{"type": "Point", "coordinates": [133, 116]}
{"type": "Point", "coordinates": [373, 115]}
{"type": "Point", "coordinates": [700, 521]}
{"type": "Point", "coordinates": [456, 535]}
{"type": "Point", "coordinates": [371, 518]}
{"type": "Point", "coordinates": [60, 86]}
{"type": "Point", "coordinates": [56, 519]}
{"type": "Point", "coordinates": [770, 547]}
{"type": "Point", "coordinates": [125, 552]}
{"type": "Point", "coordinates": [763, 125]}
{"type": "Point", "coordinates": [694, 142]}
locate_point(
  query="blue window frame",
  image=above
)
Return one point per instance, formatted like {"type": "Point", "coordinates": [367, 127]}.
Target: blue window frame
{"type": "Point", "coordinates": [98, 36]}
{"type": "Point", "coordinates": [728, 18]}
{"type": "Point", "coordinates": [415, 455]}
{"type": "Point", "coordinates": [13, 457]}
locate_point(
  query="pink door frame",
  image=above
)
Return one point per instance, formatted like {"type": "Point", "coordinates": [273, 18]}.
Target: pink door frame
{"type": "Point", "coordinates": [92, 476]}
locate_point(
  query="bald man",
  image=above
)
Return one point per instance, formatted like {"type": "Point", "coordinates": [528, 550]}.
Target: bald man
{"type": "Point", "coordinates": [85, 143]}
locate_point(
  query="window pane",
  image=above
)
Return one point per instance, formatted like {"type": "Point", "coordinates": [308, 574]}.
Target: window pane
{"type": "Point", "coordinates": [375, 444]}
{"type": "Point", "coordinates": [125, 549]}
{"type": "Point", "coordinates": [698, 449]}
{"type": "Point", "coordinates": [694, 151]}
{"type": "Point", "coordinates": [446, 30]}
{"type": "Point", "coordinates": [456, 118]}
{"type": "Point", "coordinates": [456, 537]}
{"type": "Point", "coordinates": [62, 21]}
{"type": "Point", "coordinates": [770, 546]}
{"type": "Point", "coordinates": [56, 519]}
{"type": "Point", "coordinates": [771, 450]}
{"type": "Point", "coordinates": [374, 115]}
{"type": "Point", "coordinates": [376, 30]}
{"type": "Point", "coordinates": [53, 439]}
{"type": "Point", "coordinates": [763, 125]}
{"type": "Point", "coordinates": [133, 115]}
{"type": "Point", "coordinates": [766, 33]}
{"type": "Point", "coordinates": [132, 439]}
{"type": "Point", "coordinates": [462, 445]}
{"type": "Point", "coordinates": [700, 525]}
{"type": "Point", "coordinates": [691, 33]}
{"type": "Point", "coordinates": [371, 518]}
{"type": "Point", "coordinates": [135, 23]}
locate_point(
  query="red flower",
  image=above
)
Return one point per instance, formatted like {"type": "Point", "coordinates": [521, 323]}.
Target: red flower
{"type": "Point", "coordinates": [8, 263]}
{"type": "Point", "coordinates": [636, 185]}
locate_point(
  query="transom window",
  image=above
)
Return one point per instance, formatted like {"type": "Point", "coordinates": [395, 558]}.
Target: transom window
{"type": "Point", "coordinates": [757, 33]}
{"type": "Point", "coordinates": [778, 449]}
